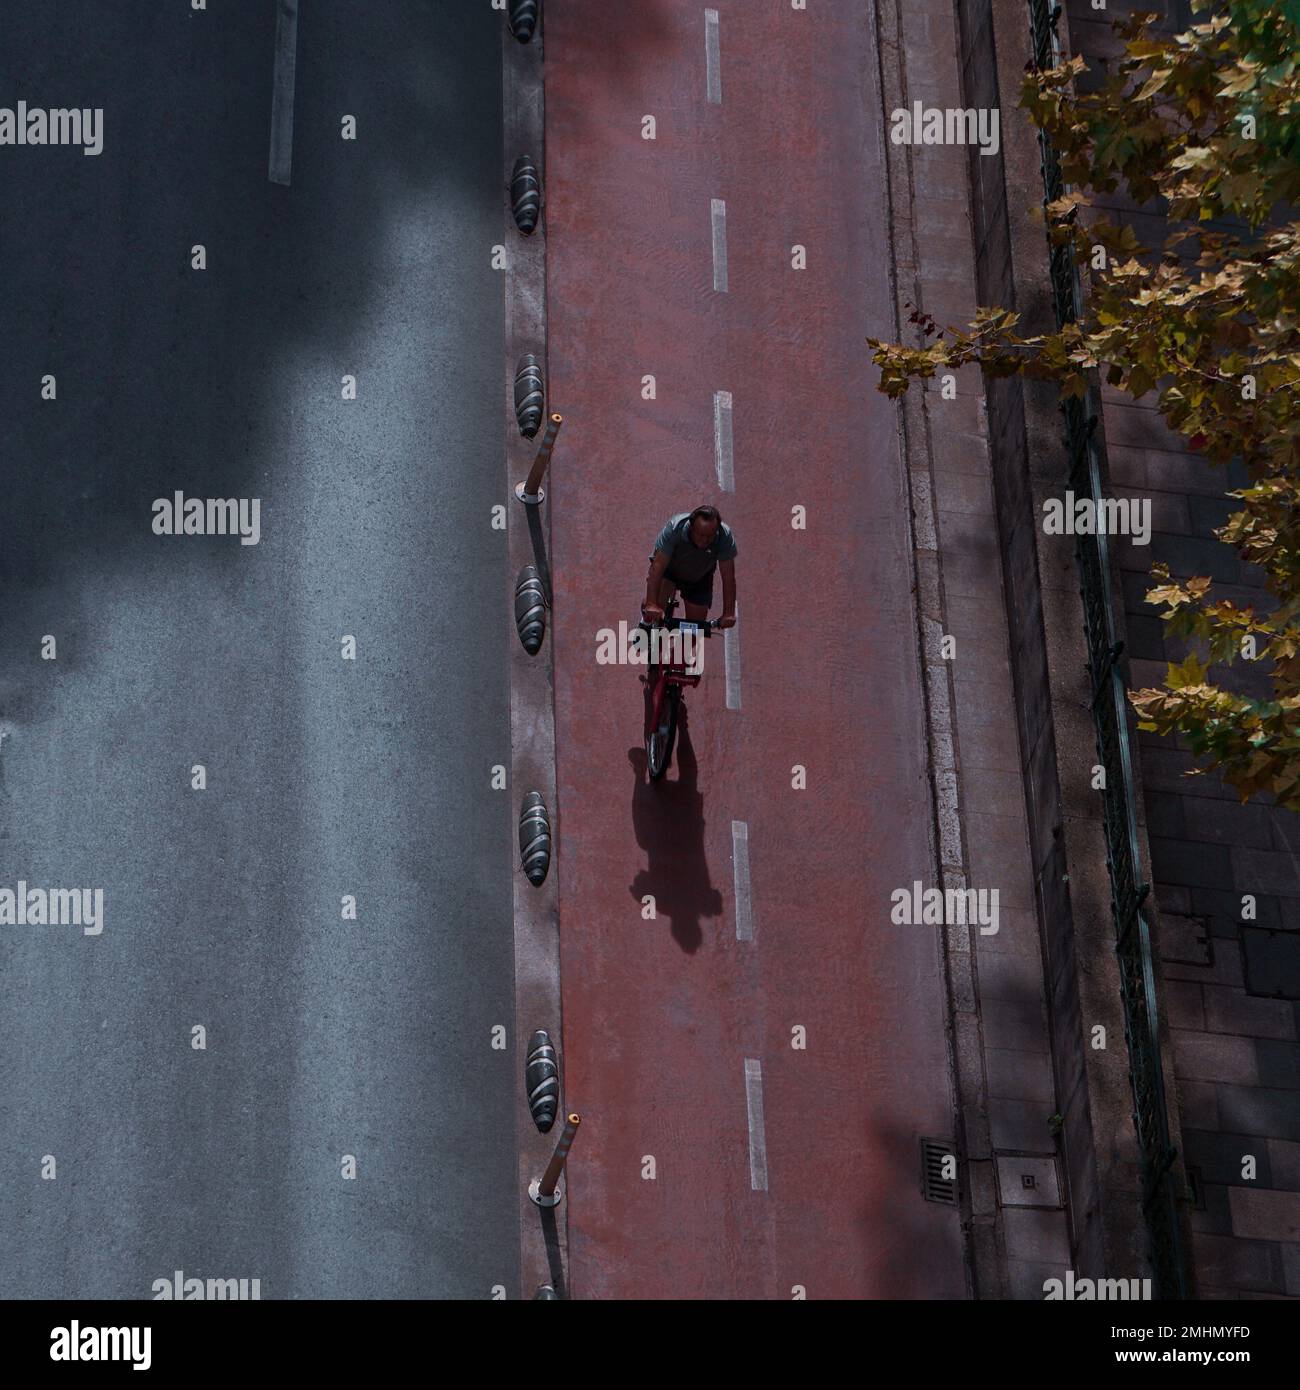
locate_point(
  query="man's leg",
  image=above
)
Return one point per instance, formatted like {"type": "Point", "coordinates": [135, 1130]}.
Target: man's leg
{"type": "Point", "coordinates": [667, 590]}
{"type": "Point", "coordinates": [697, 599]}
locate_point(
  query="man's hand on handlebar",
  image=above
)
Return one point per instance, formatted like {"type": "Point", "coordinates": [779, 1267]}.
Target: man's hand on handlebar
{"type": "Point", "coordinates": [727, 620]}
{"type": "Point", "coordinates": [652, 613]}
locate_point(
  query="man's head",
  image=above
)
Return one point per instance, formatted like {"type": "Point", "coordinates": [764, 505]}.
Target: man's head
{"type": "Point", "coordinates": [704, 525]}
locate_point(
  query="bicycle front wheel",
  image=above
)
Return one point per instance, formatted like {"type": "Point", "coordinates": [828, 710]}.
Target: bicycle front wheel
{"type": "Point", "coordinates": [659, 742]}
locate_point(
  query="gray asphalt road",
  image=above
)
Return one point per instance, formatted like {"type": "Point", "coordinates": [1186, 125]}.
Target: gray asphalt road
{"type": "Point", "coordinates": [222, 907]}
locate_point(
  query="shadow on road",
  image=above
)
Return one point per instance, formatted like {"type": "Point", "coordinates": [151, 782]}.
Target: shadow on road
{"type": "Point", "coordinates": [540, 561]}
{"type": "Point", "coordinates": [616, 56]}
{"type": "Point", "coordinates": [227, 381]}
{"type": "Point", "coordinates": [914, 1247]}
{"type": "Point", "coordinates": [668, 817]}
{"type": "Point", "coordinates": [554, 1257]}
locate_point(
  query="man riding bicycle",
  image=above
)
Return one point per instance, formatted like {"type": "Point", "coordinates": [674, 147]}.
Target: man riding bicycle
{"type": "Point", "coordinates": [688, 551]}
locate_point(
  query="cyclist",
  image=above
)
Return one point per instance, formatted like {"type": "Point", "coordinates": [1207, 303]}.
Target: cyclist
{"type": "Point", "coordinates": [689, 549]}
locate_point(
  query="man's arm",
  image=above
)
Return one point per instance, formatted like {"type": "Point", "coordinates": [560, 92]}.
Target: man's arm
{"type": "Point", "coordinates": [658, 564]}
{"type": "Point", "coordinates": [728, 569]}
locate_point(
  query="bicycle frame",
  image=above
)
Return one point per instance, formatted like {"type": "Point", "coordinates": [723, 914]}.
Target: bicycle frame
{"type": "Point", "coordinates": [666, 676]}
{"type": "Point", "coordinates": [663, 675]}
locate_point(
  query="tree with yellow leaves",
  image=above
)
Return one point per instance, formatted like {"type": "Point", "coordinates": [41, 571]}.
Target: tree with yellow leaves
{"type": "Point", "coordinates": [1208, 122]}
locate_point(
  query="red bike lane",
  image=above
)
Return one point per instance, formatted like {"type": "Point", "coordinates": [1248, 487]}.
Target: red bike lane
{"type": "Point", "coordinates": [718, 1158]}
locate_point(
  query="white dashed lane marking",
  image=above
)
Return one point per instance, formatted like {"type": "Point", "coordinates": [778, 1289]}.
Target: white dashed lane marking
{"type": "Point", "coordinates": [722, 455]}
{"type": "Point", "coordinates": [713, 57]}
{"type": "Point", "coordinates": [740, 879]}
{"type": "Point", "coordinates": [719, 245]}
{"type": "Point", "coordinates": [280, 165]}
{"type": "Point", "coordinates": [757, 1139]}
{"type": "Point", "coordinates": [731, 660]}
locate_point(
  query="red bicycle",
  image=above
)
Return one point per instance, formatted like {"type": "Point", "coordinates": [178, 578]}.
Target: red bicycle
{"type": "Point", "coordinates": [668, 673]}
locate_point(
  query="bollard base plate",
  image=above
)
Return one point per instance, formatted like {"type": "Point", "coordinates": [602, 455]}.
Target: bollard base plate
{"type": "Point", "coordinates": [529, 499]}
{"type": "Point", "coordinates": [553, 1200]}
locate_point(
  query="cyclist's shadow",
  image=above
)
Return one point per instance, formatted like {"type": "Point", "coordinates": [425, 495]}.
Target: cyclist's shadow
{"type": "Point", "coordinates": [668, 817]}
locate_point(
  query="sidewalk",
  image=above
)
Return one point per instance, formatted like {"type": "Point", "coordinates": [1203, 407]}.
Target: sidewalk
{"type": "Point", "coordinates": [716, 1159]}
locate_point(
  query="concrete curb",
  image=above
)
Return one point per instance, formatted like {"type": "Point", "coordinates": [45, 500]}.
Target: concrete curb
{"type": "Point", "coordinates": [543, 1234]}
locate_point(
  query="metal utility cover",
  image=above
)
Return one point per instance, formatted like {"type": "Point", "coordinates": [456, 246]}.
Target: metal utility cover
{"type": "Point", "coordinates": [1027, 1180]}
{"type": "Point", "coordinates": [1272, 962]}
{"type": "Point", "coordinates": [1185, 940]}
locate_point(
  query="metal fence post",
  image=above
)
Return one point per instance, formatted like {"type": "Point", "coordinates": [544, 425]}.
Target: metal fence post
{"type": "Point", "coordinates": [530, 492]}
{"type": "Point", "coordinates": [546, 1190]}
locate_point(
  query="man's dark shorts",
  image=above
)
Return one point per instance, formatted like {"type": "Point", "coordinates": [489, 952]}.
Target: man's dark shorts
{"type": "Point", "coordinates": [697, 591]}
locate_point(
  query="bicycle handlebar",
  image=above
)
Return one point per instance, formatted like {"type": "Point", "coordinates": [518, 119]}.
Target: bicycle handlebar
{"type": "Point", "coordinates": [706, 627]}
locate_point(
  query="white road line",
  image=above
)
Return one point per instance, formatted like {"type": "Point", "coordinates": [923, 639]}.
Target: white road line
{"type": "Point", "coordinates": [740, 880]}
{"type": "Point", "coordinates": [282, 87]}
{"type": "Point", "coordinates": [757, 1139]}
{"type": "Point", "coordinates": [722, 454]}
{"type": "Point", "coordinates": [719, 245]}
{"type": "Point", "coordinates": [713, 57]}
{"type": "Point", "coordinates": [731, 660]}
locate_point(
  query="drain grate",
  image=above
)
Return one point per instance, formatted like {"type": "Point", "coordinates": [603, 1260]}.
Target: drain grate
{"type": "Point", "coordinates": [939, 1171]}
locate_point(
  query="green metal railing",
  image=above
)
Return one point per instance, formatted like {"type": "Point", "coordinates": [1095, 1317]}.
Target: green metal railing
{"type": "Point", "coordinates": [1114, 753]}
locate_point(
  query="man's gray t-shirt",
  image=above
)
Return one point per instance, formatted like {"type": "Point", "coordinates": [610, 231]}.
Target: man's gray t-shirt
{"type": "Point", "coordinates": [688, 563]}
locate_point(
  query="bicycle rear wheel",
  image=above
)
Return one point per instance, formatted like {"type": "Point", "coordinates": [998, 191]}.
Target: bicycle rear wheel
{"type": "Point", "coordinates": [659, 742]}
